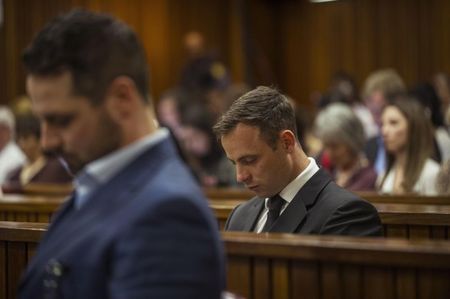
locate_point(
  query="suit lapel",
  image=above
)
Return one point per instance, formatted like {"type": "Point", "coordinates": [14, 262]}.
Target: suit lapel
{"type": "Point", "coordinates": [296, 211]}
{"type": "Point", "coordinates": [119, 189]}
{"type": "Point", "coordinates": [253, 213]}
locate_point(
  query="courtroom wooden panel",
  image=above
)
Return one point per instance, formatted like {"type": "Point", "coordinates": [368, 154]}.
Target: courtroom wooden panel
{"type": "Point", "coordinates": [290, 266]}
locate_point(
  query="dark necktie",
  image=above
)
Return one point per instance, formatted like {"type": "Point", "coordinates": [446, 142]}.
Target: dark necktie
{"type": "Point", "coordinates": [274, 204]}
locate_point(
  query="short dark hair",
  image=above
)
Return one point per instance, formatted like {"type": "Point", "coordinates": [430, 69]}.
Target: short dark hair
{"type": "Point", "coordinates": [263, 107]}
{"type": "Point", "coordinates": [94, 48]}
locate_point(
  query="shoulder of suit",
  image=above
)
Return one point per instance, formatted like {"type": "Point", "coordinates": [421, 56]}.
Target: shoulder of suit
{"type": "Point", "coordinates": [338, 195]}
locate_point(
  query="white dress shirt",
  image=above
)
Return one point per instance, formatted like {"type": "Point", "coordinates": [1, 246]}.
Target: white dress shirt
{"type": "Point", "coordinates": [289, 192]}
{"type": "Point", "coordinates": [102, 170]}
{"type": "Point", "coordinates": [425, 185]}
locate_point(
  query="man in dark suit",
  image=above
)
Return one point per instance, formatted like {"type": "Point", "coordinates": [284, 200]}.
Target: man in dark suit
{"type": "Point", "coordinates": [258, 134]}
{"type": "Point", "coordinates": [138, 225]}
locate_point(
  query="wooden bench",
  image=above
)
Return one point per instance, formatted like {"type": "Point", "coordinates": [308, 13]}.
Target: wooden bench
{"type": "Point", "coordinates": [243, 194]}
{"type": "Point", "coordinates": [408, 221]}
{"type": "Point", "coordinates": [279, 266]}
{"type": "Point", "coordinates": [18, 243]}
{"type": "Point", "coordinates": [44, 189]}
{"type": "Point", "coordinates": [28, 208]}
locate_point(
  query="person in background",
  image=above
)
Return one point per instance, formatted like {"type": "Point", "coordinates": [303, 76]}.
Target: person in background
{"type": "Point", "coordinates": [11, 156]}
{"type": "Point", "coordinates": [137, 225]}
{"type": "Point", "coordinates": [343, 139]}
{"type": "Point", "coordinates": [343, 89]}
{"type": "Point", "coordinates": [443, 179]}
{"type": "Point", "coordinates": [441, 84]}
{"type": "Point", "coordinates": [40, 167]}
{"type": "Point", "coordinates": [427, 97]}
{"type": "Point", "coordinates": [293, 195]}
{"type": "Point", "coordinates": [377, 89]}
{"type": "Point", "coordinates": [203, 152]}
{"type": "Point", "coordinates": [408, 140]}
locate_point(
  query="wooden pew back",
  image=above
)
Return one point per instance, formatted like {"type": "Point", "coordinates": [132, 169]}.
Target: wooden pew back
{"type": "Point", "coordinates": [408, 221]}
{"type": "Point", "coordinates": [18, 243]}
{"type": "Point", "coordinates": [276, 266]}
{"type": "Point", "coordinates": [28, 208]}
{"type": "Point", "coordinates": [273, 266]}
{"type": "Point", "coordinates": [237, 194]}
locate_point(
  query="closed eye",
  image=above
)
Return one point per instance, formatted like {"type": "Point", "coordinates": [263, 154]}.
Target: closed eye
{"type": "Point", "coordinates": [247, 160]}
{"type": "Point", "coordinates": [59, 121]}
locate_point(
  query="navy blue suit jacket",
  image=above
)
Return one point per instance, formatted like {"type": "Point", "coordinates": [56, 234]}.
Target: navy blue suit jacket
{"type": "Point", "coordinates": [148, 233]}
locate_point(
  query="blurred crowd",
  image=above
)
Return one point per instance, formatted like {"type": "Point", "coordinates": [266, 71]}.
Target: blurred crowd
{"type": "Point", "coordinates": [385, 137]}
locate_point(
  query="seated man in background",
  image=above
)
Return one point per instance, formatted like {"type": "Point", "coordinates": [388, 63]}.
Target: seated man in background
{"type": "Point", "coordinates": [40, 167]}
{"type": "Point", "coordinates": [137, 226]}
{"type": "Point", "coordinates": [293, 195]}
{"type": "Point", "coordinates": [11, 156]}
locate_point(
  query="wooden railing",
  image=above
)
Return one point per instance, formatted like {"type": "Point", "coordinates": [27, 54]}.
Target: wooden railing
{"type": "Point", "coordinates": [410, 221]}
{"type": "Point", "coordinates": [276, 266]}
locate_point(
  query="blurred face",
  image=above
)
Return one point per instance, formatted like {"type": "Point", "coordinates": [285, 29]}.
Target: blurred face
{"type": "Point", "coordinates": [168, 113]}
{"type": "Point", "coordinates": [394, 130]}
{"type": "Point", "coordinates": [341, 156]}
{"type": "Point", "coordinates": [263, 170]}
{"type": "Point", "coordinates": [195, 141]}
{"type": "Point", "coordinates": [375, 103]}
{"type": "Point", "coordinates": [30, 146]}
{"type": "Point", "coordinates": [70, 125]}
{"type": "Point", "coordinates": [5, 136]}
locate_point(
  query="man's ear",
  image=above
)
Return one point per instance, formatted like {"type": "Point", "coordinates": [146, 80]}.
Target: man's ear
{"type": "Point", "coordinates": [287, 140]}
{"type": "Point", "coordinates": [122, 98]}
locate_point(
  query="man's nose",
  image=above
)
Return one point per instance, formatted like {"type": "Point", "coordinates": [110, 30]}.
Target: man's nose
{"type": "Point", "coordinates": [242, 175]}
{"type": "Point", "coordinates": [50, 138]}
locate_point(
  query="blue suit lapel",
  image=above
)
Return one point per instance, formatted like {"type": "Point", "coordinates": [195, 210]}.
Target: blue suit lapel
{"type": "Point", "coordinates": [105, 201]}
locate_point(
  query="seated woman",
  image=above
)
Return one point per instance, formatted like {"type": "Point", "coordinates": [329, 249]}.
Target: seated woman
{"type": "Point", "coordinates": [343, 138]}
{"type": "Point", "coordinates": [408, 140]}
{"type": "Point", "coordinates": [40, 167]}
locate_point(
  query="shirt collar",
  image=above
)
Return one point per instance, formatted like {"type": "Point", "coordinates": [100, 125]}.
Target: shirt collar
{"type": "Point", "coordinates": [103, 169]}
{"type": "Point", "coordinates": [289, 192]}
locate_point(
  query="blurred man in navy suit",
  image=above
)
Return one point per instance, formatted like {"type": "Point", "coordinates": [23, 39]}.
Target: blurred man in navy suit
{"type": "Point", "coordinates": [137, 225]}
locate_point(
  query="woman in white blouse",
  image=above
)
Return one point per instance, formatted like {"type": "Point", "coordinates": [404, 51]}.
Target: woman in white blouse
{"type": "Point", "coordinates": [407, 136]}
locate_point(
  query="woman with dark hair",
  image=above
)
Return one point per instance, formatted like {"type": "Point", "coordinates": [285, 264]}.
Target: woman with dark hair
{"type": "Point", "coordinates": [427, 96]}
{"type": "Point", "coordinates": [408, 140]}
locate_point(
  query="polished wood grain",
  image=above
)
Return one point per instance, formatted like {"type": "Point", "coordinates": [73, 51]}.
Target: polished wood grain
{"type": "Point", "coordinates": [291, 266]}
{"type": "Point", "coordinates": [410, 221]}
{"type": "Point", "coordinates": [295, 45]}
{"type": "Point", "coordinates": [241, 194]}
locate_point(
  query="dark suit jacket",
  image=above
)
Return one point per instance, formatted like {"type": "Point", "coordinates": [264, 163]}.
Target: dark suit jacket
{"type": "Point", "coordinates": [148, 233]}
{"type": "Point", "coordinates": [320, 207]}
